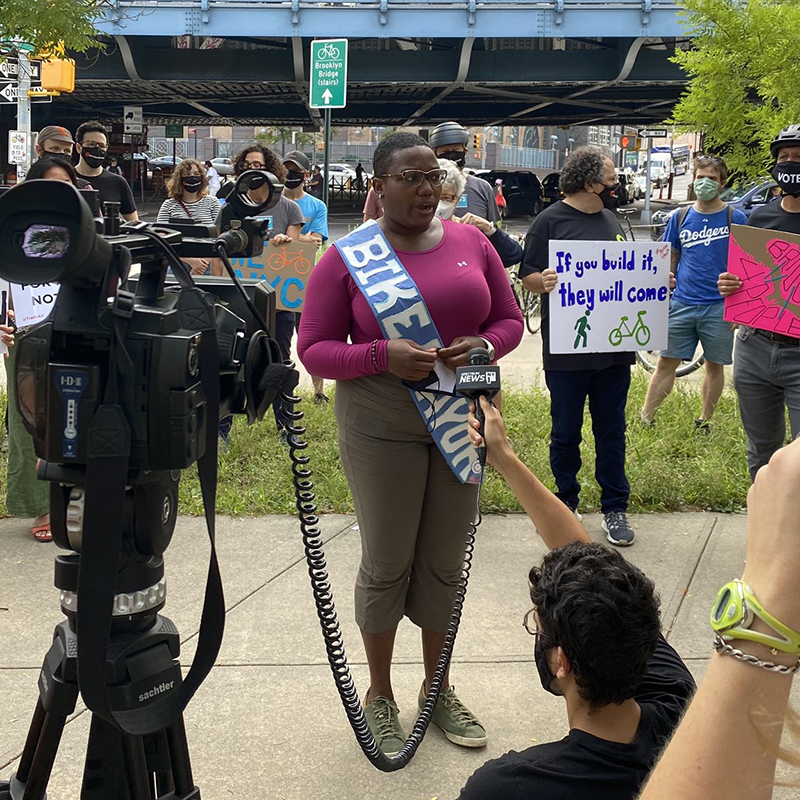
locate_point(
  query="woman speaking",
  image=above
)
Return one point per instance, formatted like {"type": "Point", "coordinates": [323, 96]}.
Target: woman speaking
{"type": "Point", "coordinates": [402, 300]}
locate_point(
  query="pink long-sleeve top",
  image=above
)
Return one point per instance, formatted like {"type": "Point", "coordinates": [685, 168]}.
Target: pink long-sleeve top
{"type": "Point", "coordinates": [462, 281]}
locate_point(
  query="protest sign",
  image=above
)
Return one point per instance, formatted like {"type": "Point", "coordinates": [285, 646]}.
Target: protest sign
{"type": "Point", "coordinates": [768, 263]}
{"type": "Point", "coordinates": [286, 268]}
{"type": "Point", "coordinates": [33, 302]}
{"type": "Point", "coordinates": [610, 296]}
{"type": "Point", "coordinates": [4, 304]}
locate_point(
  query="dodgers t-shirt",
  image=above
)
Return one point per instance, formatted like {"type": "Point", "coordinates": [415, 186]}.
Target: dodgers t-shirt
{"type": "Point", "coordinates": [702, 242]}
{"type": "Point", "coordinates": [315, 213]}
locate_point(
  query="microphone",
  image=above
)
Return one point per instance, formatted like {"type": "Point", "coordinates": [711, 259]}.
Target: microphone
{"type": "Point", "coordinates": [479, 379]}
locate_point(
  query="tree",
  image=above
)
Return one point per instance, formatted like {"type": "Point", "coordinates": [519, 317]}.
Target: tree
{"type": "Point", "coordinates": [744, 75]}
{"type": "Point", "coordinates": [43, 24]}
{"type": "Point", "coordinates": [282, 134]}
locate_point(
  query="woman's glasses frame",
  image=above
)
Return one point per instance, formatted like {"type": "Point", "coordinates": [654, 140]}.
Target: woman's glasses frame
{"type": "Point", "coordinates": [413, 178]}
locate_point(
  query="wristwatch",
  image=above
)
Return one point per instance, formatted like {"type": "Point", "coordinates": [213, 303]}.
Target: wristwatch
{"type": "Point", "coordinates": [734, 611]}
{"type": "Point", "coordinates": [489, 347]}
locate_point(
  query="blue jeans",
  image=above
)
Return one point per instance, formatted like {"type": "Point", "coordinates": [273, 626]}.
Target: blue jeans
{"type": "Point", "coordinates": [607, 390]}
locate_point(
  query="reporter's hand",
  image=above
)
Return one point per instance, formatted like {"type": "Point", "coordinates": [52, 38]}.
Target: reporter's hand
{"type": "Point", "coordinates": [672, 282]}
{"type": "Point", "coordinates": [728, 283]}
{"type": "Point", "coordinates": [280, 238]}
{"type": "Point", "coordinates": [480, 223]}
{"type": "Point", "coordinates": [457, 355]}
{"type": "Point", "coordinates": [549, 280]}
{"type": "Point", "coordinates": [7, 335]}
{"type": "Point", "coordinates": [773, 536]}
{"type": "Point", "coordinates": [408, 360]}
{"type": "Point", "coordinates": [494, 432]}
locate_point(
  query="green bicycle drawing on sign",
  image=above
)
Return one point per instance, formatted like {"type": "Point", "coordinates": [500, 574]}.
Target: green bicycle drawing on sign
{"type": "Point", "coordinates": [640, 332]}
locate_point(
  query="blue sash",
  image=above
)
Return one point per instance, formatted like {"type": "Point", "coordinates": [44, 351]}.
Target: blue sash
{"type": "Point", "coordinates": [402, 314]}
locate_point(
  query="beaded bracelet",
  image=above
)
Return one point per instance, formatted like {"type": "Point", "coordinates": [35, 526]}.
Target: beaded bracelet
{"type": "Point", "coordinates": [723, 648]}
{"type": "Point", "coordinates": [374, 353]}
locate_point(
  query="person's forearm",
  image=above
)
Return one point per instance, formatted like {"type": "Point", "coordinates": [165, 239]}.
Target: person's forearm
{"type": "Point", "coordinates": [726, 745]}
{"type": "Point", "coordinates": [556, 524]}
{"type": "Point", "coordinates": [534, 283]}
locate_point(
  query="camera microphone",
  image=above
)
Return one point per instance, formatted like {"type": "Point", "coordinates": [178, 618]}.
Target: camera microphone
{"type": "Point", "coordinates": [479, 379]}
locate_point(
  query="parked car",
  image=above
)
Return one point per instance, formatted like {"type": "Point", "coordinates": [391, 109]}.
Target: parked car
{"type": "Point", "coordinates": [629, 189]}
{"type": "Point", "coordinates": [342, 176]}
{"type": "Point", "coordinates": [550, 191]}
{"type": "Point", "coordinates": [522, 190]}
{"type": "Point", "coordinates": [659, 177]}
{"type": "Point", "coordinates": [223, 166]}
{"type": "Point", "coordinates": [164, 161]}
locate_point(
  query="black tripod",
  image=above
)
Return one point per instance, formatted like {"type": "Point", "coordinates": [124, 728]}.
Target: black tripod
{"type": "Point", "coordinates": [141, 662]}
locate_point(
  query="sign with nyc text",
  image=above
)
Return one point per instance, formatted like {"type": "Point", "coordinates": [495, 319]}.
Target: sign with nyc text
{"type": "Point", "coordinates": [768, 264]}
{"type": "Point", "coordinates": [328, 78]}
{"type": "Point", "coordinates": [285, 267]}
{"type": "Point", "coordinates": [33, 302]}
{"type": "Point", "coordinates": [610, 296]}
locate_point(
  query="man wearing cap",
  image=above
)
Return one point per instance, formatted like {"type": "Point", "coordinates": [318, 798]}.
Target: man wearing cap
{"type": "Point", "coordinates": [449, 140]}
{"type": "Point", "coordinates": [55, 141]}
{"type": "Point", "coordinates": [315, 227]}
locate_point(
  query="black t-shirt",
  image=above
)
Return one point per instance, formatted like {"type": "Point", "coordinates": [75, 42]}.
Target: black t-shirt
{"type": "Point", "coordinates": [584, 767]}
{"type": "Point", "coordinates": [112, 188]}
{"type": "Point", "coordinates": [562, 221]}
{"type": "Point", "coordinates": [772, 217]}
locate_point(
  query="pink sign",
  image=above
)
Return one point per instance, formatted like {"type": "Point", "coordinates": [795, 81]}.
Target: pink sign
{"type": "Point", "coordinates": [768, 263]}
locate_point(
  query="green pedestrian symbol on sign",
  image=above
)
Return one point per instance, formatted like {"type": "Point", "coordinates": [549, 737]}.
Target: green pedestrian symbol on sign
{"type": "Point", "coordinates": [582, 326]}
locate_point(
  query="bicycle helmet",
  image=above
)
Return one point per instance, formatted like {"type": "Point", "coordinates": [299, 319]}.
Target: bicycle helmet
{"type": "Point", "coordinates": [788, 137]}
{"type": "Point", "coordinates": [448, 133]}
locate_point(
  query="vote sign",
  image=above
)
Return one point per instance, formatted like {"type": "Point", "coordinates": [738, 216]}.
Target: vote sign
{"type": "Point", "coordinates": [610, 296]}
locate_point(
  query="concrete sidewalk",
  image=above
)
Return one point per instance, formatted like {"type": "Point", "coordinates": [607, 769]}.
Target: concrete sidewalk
{"type": "Point", "coordinates": [268, 722]}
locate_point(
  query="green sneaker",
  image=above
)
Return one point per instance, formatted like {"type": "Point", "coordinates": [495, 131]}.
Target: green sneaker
{"type": "Point", "coordinates": [382, 718]}
{"type": "Point", "coordinates": [457, 722]}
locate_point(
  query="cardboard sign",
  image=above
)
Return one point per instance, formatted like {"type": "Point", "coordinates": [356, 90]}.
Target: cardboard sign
{"type": "Point", "coordinates": [768, 263]}
{"type": "Point", "coordinates": [5, 302]}
{"type": "Point", "coordinates": [610, 296]}
{"type": "Point", "coordinates": [33, 302]}
{"type": "Point", "coordinates": [285, 267]}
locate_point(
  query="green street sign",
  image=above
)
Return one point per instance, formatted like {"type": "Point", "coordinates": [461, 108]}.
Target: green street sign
{"type": "Point", "coordinates": [173, 131]}
{"type": "Point", "coordinates": [328, 80]}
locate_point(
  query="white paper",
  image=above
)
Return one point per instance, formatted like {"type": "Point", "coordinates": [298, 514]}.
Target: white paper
{"type": "Point", "coordinates": [610, 296]}
{"type": "Point", "coordinates": [33, 302]}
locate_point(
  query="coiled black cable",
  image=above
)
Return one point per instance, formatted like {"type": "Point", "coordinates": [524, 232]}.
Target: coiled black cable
{"type": "Point", "coordinates": [326, 611]}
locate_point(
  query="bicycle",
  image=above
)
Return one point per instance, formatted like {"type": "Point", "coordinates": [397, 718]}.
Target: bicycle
{"type": "Point", "coordinates": [328, 51]}
{"type": "Point", "coordinates": [640, 332]}
{"type": "Point", "coordinates": [281, 259]}
{"type": "Point", "coordinates": [530, 304]}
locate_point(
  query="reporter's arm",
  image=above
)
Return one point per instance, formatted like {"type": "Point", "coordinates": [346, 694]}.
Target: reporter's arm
{"type": "Point", "coordinates": [556, 524]}
{"type": "Point", "coordinates": [726, 745]}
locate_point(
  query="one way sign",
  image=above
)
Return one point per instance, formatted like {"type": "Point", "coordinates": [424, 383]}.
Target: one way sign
{"type": "Point", "coordinates": [9, 92]}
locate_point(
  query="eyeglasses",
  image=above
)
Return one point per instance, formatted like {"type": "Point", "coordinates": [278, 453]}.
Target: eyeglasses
{"type": "Point", "coordinates": [254, 165]}
{"type": "Point", "coordinates": [530, 625]}
{"type": "Point", "coordinates": [100, 145]}
{"type": "Point", "coordinates": [704, 157]}
{"type": "Point", "coordinates": [413, 177]}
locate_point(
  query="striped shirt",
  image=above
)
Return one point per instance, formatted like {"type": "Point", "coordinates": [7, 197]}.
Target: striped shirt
{"type": "Point", "coordinates": [203, 211]}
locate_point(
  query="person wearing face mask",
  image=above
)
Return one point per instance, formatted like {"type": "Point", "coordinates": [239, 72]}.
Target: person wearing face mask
{"type": "Point", "coordinates": [449, 140]}
{"type": "Point", "coordinates": [598, 644]}
{"type": "Point", "coordinates": [55, 141]}
{"type": "Point", "coordinates": [315, 228]}
{"type": "Point", "coordinates": [91, 142]}
{"type": "Point", "coordinates": [508, 249]}
{"type": "Point", "coordinates": [766, 365]}
{"type": "Point", "coordinates": [590, 186]}
{"type": "Point", "coordinates": [699, 238]}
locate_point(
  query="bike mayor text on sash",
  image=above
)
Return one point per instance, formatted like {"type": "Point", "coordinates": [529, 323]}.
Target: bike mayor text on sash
{"type": "Point", "coordinates": [610, 296]}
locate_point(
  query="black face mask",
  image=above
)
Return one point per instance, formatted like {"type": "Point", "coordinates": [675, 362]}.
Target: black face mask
{"type": "Point", "coordinates": [545, 673]}
{"type": "Point", "coordinates": [610, 196]}
{"type": "Point", "coordinates": [94, 156]}
{"type": "Point", "coordinates": [192, 184]}
{"type": "Point", "coordinates": [294, 179]}
{"type": "Point", "coordinates": [257, 181]}
{"type": "Point", "coordinates": [787, 176]}
{"type": "Point", "coordinates": [62, 157]}
{"type": "Point", "coordinates": [457, 156]}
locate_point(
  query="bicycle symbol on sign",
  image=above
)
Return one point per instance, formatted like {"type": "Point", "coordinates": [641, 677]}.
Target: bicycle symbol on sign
{"type": "Point", "coordinates": [640, 331]}
{"type": "Point", "coordinates": [278, 261]}
{"type": "Point", "coordinates": [328, 51]}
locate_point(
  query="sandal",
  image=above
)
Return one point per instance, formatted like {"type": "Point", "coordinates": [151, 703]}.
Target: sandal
{"type": "Point", "coordinates": [42, 533]}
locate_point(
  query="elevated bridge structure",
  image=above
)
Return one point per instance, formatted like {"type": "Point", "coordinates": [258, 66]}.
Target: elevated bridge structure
{"type": "Point", "coordinates": [482, 62]}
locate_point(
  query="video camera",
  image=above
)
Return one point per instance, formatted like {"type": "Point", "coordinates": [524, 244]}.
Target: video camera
{"type": "Point", "coordinates": [151, 336]}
